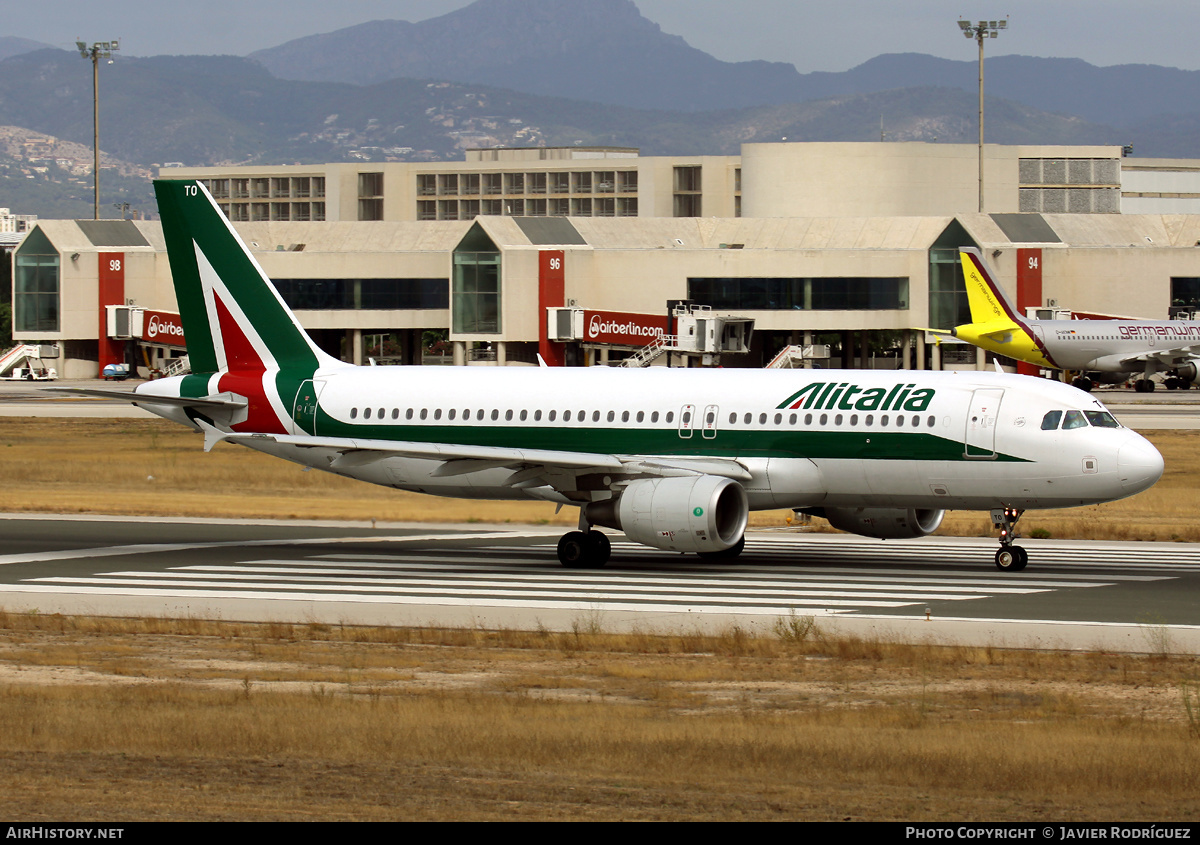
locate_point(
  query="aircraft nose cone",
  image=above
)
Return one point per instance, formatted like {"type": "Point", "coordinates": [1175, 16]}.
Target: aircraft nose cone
{"type": "Point", "coordinates": [1139, 465]}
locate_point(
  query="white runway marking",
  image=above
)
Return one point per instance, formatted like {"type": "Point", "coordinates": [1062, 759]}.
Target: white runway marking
{"type": "Point", "coordinates": [778, 574]}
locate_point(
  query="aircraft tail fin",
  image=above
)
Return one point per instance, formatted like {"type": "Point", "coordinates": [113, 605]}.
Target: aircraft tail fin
{"type": "Point", "coordinates": [988, 302]}
{"type": "Point", "coordinates": [233, 318]}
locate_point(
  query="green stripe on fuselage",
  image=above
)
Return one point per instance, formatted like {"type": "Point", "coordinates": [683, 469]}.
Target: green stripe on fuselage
{"type": "Point", "coordinates": [728, 443]}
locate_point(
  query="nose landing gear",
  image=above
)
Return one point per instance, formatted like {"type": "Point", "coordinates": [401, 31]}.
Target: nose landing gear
{"type": "Point", "coordinates": [1009, 558]}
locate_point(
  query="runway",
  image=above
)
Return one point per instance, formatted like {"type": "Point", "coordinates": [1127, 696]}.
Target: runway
{"type": "Point", "coordinates": [1122, 596]}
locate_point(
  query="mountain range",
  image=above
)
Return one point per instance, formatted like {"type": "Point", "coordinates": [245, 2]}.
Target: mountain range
{"type": "Point", "coordinates": [531, 72]}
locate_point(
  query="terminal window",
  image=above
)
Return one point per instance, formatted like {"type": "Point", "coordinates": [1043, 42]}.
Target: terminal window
{"type": "Point", "coordinates": [839, 293]}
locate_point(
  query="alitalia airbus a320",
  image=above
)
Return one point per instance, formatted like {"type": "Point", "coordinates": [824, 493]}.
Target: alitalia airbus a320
{"type": "Point", "coordinates": [676, 459]}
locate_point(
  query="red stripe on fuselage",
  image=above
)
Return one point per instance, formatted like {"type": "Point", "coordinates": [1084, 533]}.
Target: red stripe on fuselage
{"type": "Point", "coordinates": [245, 375]}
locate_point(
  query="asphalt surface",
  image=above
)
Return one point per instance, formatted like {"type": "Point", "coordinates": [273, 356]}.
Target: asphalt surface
{"type": "Point", "coordinates": [1123, 596]}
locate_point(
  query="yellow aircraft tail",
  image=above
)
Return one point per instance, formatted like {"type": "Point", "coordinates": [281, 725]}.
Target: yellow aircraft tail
{"type": "Point", "coordinates": [996, 324]}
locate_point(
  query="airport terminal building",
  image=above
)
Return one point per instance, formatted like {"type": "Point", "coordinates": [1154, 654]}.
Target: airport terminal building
{"type": "Point", "coordinates": [588, 255]}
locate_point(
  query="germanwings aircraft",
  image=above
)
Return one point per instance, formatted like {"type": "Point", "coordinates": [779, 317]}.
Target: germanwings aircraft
{"type": "Point", "coordinates": [674, 458]}
{"type": "Point", "coordinates": [1092, 348]}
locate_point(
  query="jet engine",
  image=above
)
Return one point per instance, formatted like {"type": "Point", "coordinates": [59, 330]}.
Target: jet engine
{"type": "Point", "coordinates": [884, 523]}
{"type": "Point", "coordinates": [695, 513]}
{"type": "Point", "coordinates": [1187, 375]}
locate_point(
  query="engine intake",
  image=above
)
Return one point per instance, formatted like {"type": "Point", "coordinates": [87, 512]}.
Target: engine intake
{"type": "Point", "coordinates": [884, 523]}
{"type": "Point", "coordinates": [701, 513]}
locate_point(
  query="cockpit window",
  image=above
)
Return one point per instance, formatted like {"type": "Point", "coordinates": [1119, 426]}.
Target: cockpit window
{"type": "Point", "coordinates": [1074, 419]}
{"type": "Point", "coordinates": [1102, 419]}
{"type": "Point", "coordinates": [1051, 420]}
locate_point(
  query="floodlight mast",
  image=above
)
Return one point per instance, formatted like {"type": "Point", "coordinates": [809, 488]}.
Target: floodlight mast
{"type": "Point", "coordinates": [99, 50]}
{"type": "Point", "coordinates": [980, 31]}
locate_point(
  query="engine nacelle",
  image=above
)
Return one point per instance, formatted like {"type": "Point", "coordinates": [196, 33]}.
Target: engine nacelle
{"type": "Point", "coordinates": [696, 513]}
{"type": "Point", "coordinates": [1188, 372]}
{"type": "Point", "coordinates": [885, 523]}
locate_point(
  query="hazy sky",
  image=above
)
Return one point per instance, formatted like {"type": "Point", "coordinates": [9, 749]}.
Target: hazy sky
{"type": "Point", "coordinates": [829, 36]}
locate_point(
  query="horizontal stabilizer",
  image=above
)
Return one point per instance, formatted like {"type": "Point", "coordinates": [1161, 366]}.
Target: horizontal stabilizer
{"type": "Point", "coordinates": [222, 402]}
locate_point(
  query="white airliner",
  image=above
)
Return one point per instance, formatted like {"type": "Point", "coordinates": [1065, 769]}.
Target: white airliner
{"type": "Point", "coordinates": [1093, 348]}
{"type": "Point", "coordinates": [676, 459]}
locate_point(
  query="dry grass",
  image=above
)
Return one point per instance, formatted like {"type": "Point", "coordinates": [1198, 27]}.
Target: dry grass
{"type": "Point", "coordinates": [152, 467]}
{"type": "Point", "coordinates": [208, 720]}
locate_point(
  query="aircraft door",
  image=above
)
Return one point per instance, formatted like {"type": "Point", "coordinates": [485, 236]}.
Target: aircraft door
{"type": "Point", "coordinates": [687, 421]}
{"type": "Point", "coordinates": [980, 441]}
{"type": "Point", "coordinates": [304, 410]}
{"type": "Point", "coordinates": [709, 422]}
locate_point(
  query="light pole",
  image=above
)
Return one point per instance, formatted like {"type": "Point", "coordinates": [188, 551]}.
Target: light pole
{"type": "Point", "coordinates": [99, 50]}
{"type": "Point", "coordinates": [980, 31]}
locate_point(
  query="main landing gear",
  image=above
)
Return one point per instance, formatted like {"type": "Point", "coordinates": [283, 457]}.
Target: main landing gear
{"type": "Point", "coordinates": [1009, 558]}
{"type": "Point", "coordinates": [586, 548]}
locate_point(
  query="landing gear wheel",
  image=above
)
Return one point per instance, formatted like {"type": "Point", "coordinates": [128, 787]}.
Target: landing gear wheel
{"type": "Point", "coordinates": [727, 554]}
{"type": "Point", "coordinates": [599, 549]}
{"type": "Point", "coordinates": [1143, 385]}
{"type": "Point", "coordinates": [577, 550]}
{"type": "Point", "coordinates": [1011, 558]}
{"type": "Point", "coordinates": [573, 549]}
{"type": "Point", "coordinates": [1083, 383]}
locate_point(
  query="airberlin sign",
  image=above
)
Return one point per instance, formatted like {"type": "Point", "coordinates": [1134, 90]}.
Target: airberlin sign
{"type": "Point", "coordinates": [162, 327]}
{"type": "Point", "coordinates": [622, 329]}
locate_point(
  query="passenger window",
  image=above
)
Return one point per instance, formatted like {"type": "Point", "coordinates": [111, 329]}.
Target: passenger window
{"type": "Point", "coordinates": [670, 417]}
{"type": "Point", "coordinates": [854, 419]}
{"type": "Point", "coordinates": [792, 419]}
{"type": "Point", "coordinates": [424, 413]}
{"type": "Point", "coordinates": [595, 416]}
{"type": "Point", "coordinates": [837, 420]}
{"type": "Point", "coordinates": [778, 419]}
{"type": "Point", "coordinates": [732, 419]}
{"type": "Point", "coordinates": [437, 414]}
{"type": "Point", "coordinates": [624, 416]}
{"type": "Point", "coordinates": [1051, 420]}
{"type": "Point", "coordinates": [870, 420]}
{"type": "Point", "coordinates": [824, 419]}
{"type": "Point", "coordinates": [612, 415]}
{"type": "Point", "coordinates": [495, 414]}
{"type": "Point", "coordinates": [1074, 419]}
{"type": "Point", "coordinates": [654, 417]}
{"type": "Point", "coordinates": [749, 419]}
{"type": "Point", "coordinates": [566, 416]}
{"type": "Point", "coordinates": [930, 422]}
{"type": "Point", "coordinates": [452, 413]}
{"type": "Point", "coordinates": [395, 413]}
{"type": "Point", "coordinates": [552, 416]}
{"type": "Point", "coordinates": [524, 415]}
{"type": "Point", "coordinates": [537, 416]}
{"type": "Point", "coordinates": [762, 419]}
{"type": "Point", "coordinates": [354, 413]}
{"type": "Point", "coordinates": [366, 413]}
{"type": "Point", "coordinates": [808, 419]}
{"type": "Point", "coordinates": [508, 415]}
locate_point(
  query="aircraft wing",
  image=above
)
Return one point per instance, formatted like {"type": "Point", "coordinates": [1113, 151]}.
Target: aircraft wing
{"type": "Point", "coordinates": [531, 465]}
{"type": "Point", "coordinates": [1166, 357]}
